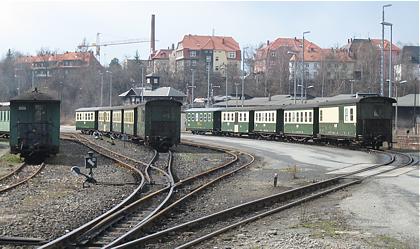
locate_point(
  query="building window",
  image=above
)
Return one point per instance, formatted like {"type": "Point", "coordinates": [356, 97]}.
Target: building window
{"type": "Point", "coordinates": [231, 55]}
{"type": "Point", "coordinates": [217, 58]}
{"type": "Point", "coordinates": [217, 68]}
{"type": "Point", "coordinates": [273, 54]}
{"type": "Point", "coordinates": [193, 53]}
{"type": "Point", "coordinates": [193, 63]}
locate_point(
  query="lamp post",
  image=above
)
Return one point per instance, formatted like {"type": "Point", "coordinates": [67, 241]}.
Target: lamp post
{"type": "Point", "coordinates": [192, 87]}
{"type": "Point", "coordinates": [110, 87]}
{"type": "Point", "coordinates": [294, 76]}
{"type": "Point", "coordinates": [390, 60]}
{"type": "Point", "coordinates": [382, 50]}
{"type": "Point", "coordinates": [396, 104]}
{"type": "Point", "coordinates": [243, 75]}
{"type": "Point", "coordinates": [303, 64]}
{"type": "Point", "coordinates": [102, 88]}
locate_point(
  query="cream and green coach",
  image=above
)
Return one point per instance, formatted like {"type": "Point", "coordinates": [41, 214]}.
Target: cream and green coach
{"type": "Point", "coordinates": [87, 119]}
{"type": "Point", "coordinates": [202, 120]}
{"type": "Point", "coordinates": [301, 121]}
{"type": "Point", "coordinates": [237, 121]}
{"type": "Point", "coordinates": [268, 121]}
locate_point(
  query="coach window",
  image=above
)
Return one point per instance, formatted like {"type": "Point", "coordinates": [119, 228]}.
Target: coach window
{"type": "Point", "coordinates": [320, 115]}
{"type": "Point", "coordinates": [297, 117]}
{"type": "Point", "coordinates": [205, 117]}
{"type": "Point", "coordinates": [346, 114]}
{"type": "Point", "coordinates": [188, 117]}
{"type": "Point", "coordinates": [301, 117]}
{"type": "Point", "coordinates": [306, 117]}
{"type": "Point", "coordinates": [240, 117]}
{"type": "Point", "coordinates": [310, 117]}
{"type": "Point", "coordinates": [351, 114]}
{"type": "Point", "coordinates": [201, 117]}
{"type": "Point", "coordinates": [209, 117]}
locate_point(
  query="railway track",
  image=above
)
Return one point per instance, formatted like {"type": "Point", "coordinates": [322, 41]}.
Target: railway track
{"type": "Point", "coordinates": [209, 226]}
{"type": "Point", "coordinates": [109, 229]}
{"type": "Point", "coordinates": [134, 165]}
{"type": "Point", "coordinates": [19, 176]}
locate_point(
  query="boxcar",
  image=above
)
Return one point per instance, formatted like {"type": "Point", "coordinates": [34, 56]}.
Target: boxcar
{"type": "Point", "coordinates": [366, 120]}
{"type": "Point", "coordinates": [159, 123]}
{"type": "Point", "coordinates": [34, 124]}
{"type": "Point", "coordinates": [4, 121]}
{"type": "Point", "coordinates": [237, 120]}
{"type": "Point", "coordinates": [202, 120]}
{"type": "Point", "coordinates": [268, 121]}
{"type": "Point", "coordinates": [301, 121]}
{"type": "Point", "coordinates": [87, 119]}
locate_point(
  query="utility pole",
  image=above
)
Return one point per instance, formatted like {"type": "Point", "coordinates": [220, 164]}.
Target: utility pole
{"type": "Point", "coordinates": [294, 75]}
{"type": "Point", "coordinates": [390, 67]}
{"type": "Point", "coordinates": [110, 87]}
{"type": "Point", "coordinates": [142, 84]}
{"type": "Point", "coordinates": [226, 96]}
{"type": "Point", "coordinates": [192, 87]}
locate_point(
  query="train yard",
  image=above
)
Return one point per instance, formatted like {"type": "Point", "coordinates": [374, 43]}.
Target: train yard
{"type": "Point", "coordinates": [191, 196]}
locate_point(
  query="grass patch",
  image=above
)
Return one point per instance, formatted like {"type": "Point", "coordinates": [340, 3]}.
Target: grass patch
{"type": "Point", "coordinates": [11, 158]}
{"type": "Point", "coordinates": [322, 228]}
{"type": "Point", "coordinates": [386, 242]}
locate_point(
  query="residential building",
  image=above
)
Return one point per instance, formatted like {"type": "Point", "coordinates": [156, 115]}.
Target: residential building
{"type": "Point", "coordinates": [329, 64]}
{"type": "Point", "coordinates": [213, 51]}
{"type": "Point", "coordinates": [44, 66]}
{"type": "Point", "coordinates": [271, 54]}
{"type": "Point", "coordinates": [159, 60]}
{"type": "Point", "coordinates": [408, 67]}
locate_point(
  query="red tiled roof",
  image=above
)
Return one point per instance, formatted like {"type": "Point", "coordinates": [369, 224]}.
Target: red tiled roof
{"type": "Point", "coordinates": [84, 56]}
{"type": "Point", "coordinates": [324, 54]}
{"type": "Point", "coordinates": [161, 54]}
{"type": "Point", "coordinates": [294, 44]}
{"type": "Point", "coordinates": [200, 42]}
{"type": "Point", "coordinates": [378, 43]}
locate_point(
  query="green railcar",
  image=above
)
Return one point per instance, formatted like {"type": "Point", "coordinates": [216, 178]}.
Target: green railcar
{"type": "Point", "coordinates": [159, 123]}
{"type": "Point", "coordinates": [105, 120]}
{"type": "Point", "coordinates": [117, 122]}
{"type": "Point", "coordinates": [4, 121]}
{"type": "Point", "coordinates": [237, 120]}
{"type": "Point", "coordinates": [365, 120]}
{"type": "Point", "coordinates": [202, 120]}
{"type": "Point", "coordinates": [268, 121]}
{"type": "Point", "coordinates": [87, 119]}
{"type": "Point", "coordinates": [34, 124]}
{"type": "Point", "coordinates": [301, 121]}
{"type": "Point", "coordinates": [130, 116]}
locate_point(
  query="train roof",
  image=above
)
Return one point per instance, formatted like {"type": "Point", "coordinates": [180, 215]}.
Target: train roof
{"type": "Point", "coordinates": [210, 109]}
{"type": "Point", "coordinates": [124, 107]}
{"type": "Point", "coordinates": [366, 99]}
{"type": "Point", "coordinates": [35, 95]}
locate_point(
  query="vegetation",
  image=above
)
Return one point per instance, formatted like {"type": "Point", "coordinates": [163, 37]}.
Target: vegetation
{"type": "Point", "coordinates": [11, 158]}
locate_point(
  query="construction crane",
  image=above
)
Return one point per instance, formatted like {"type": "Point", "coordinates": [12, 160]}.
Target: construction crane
{"type": "Point", "coordinates": [98, 44]}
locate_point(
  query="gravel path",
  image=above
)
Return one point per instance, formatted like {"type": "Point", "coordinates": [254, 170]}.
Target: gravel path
{"type": "Point", "coordinates": [54, 202]}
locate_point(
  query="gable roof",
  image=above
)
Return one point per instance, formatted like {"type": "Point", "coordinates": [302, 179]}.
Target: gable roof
{"type": "Point", "coordinates": [161, 54]}
{"type": "Point", "coordinates": [158, 92]}
{"type": "Point", "coordinates": [205, 42]}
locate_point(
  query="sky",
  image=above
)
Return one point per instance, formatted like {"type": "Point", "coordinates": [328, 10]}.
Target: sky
{"type": "Point", "coordinates": [27, 26]}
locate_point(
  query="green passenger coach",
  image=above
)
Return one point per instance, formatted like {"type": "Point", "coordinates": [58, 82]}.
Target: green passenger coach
{"type": "Point", "coordinates": [301, 121]}
{"type": "Point", "coordinates": [4, 121]}
{"type": "Point", "coordinates": [268, 121]}
{"type": "Point", "coordinates": [202, 120]}
{"type": "Point", "coordinates": [87, 119]}
{"type": "Point", "coordinates": [237, 120]}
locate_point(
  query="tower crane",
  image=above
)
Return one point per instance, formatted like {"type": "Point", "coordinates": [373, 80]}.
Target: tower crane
{"type": "Point", "coordinates": [98, 44]}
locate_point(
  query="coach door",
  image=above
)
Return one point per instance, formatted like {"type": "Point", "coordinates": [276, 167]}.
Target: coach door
{"type": "Point", "coordinates": [236, 125]}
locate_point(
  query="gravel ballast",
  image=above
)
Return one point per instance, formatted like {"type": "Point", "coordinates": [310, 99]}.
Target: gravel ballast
{"type": "Point", "coordinates": [54, 202]}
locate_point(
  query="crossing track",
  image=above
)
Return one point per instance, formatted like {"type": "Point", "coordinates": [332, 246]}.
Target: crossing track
{"type": "Point", "coordinates": [206, 227]}
{"type": "Point", "coordinates": [19, 176]}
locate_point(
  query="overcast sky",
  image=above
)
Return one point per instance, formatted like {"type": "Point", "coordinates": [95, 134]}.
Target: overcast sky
{"type": "Point", "coordinates": [28, 26]}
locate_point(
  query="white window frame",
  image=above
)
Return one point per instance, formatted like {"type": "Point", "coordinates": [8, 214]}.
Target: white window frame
{"type": "Point", "coordinates": [348, 118]}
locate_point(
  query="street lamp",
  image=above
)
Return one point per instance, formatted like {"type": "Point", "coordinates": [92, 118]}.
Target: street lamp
{"type": "Point", "coordinates": [396, 105]}
{"type": "Point", "coordinates": [102, 87]}
{"type": "Point", "coordinates": [110, 87]}
{"type": "Point", "coordinates": [243, 76]}
{"type": "Point", "coordinates": [303, 63]}
{"type": "Point", "coordinates": [294, 76]}
{"type": "Point", "coordinates": [382, 50]}
{"type": "Point", "coordinates": [390, 60]}
{"type": "Point", "coordinates": [192, 87]}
